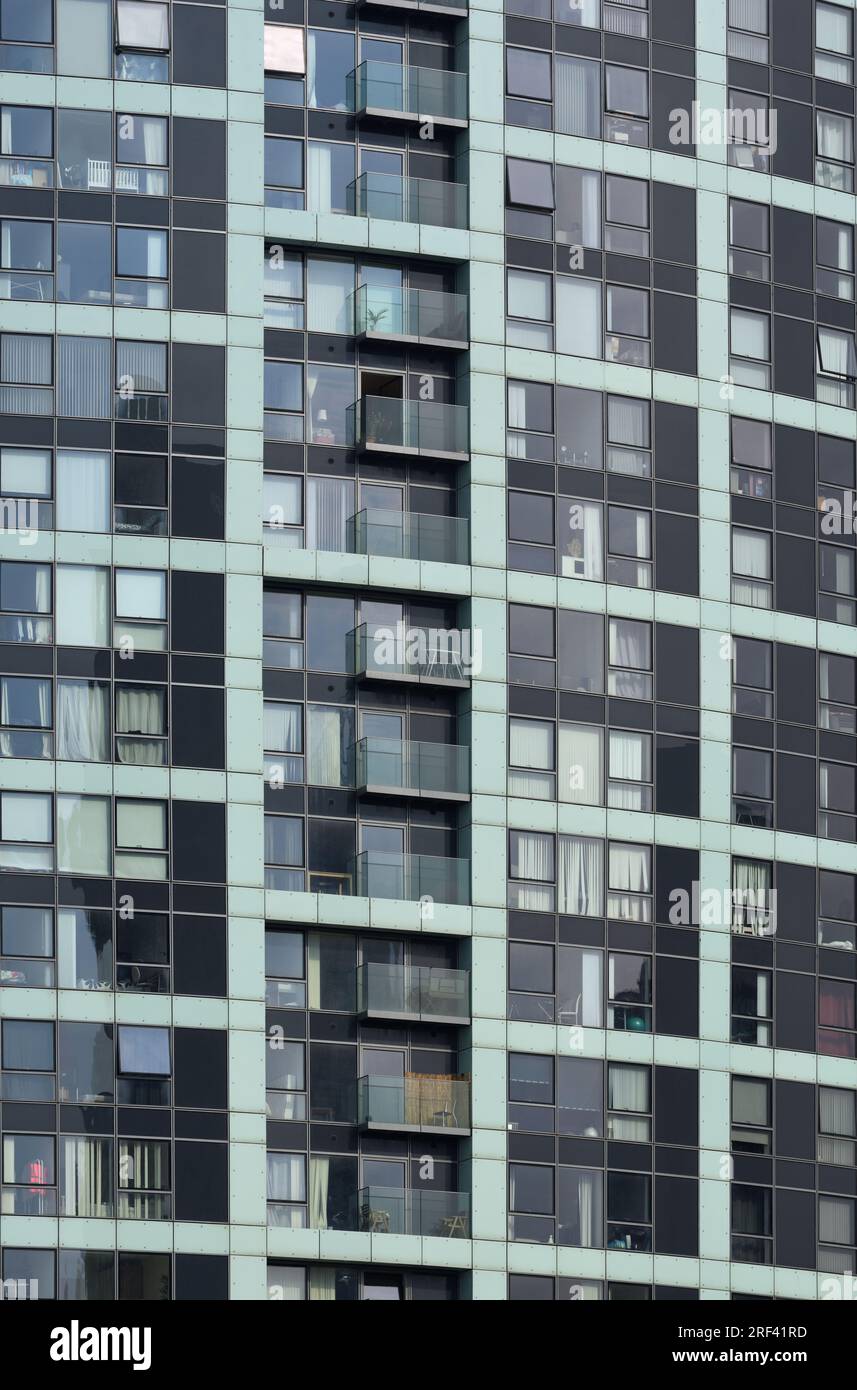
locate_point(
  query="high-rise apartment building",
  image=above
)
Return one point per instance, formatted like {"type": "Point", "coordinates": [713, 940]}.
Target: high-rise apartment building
{"type": "Point", "coordinates": [428, 649]}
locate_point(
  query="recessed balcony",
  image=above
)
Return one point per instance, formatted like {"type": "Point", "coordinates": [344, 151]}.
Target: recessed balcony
{"type": "Point", "coordinates": [399, 198]}
{"type": "Point", "coordinates": [392, 767]}
{"type": "Point", "coordinates": [413, 878]}
{"type": "Point", "coordinates": [395, 1211]}
{"type": "Point", "coordinates": [403, 655]}
{"type": "Point", "coordinates": [413, 993]}
{"type": "Point", "coordinates": [409, 536]}
{"type": "Point", "coordinates": [393, 91]}
{"type": "Point", "coordinates": [423, 318]}
{"type": "Point", "coordinates": [428, 429]}
{"type": "Point", "coordinates": [414, 1104]}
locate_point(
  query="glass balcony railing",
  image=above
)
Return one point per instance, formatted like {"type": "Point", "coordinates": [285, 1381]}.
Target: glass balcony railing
{"type": "Point", "coordinates": [398, 198]}
{"type": "Point", "coordinates": [409, 536]}
{"type": "Point", "coordinates": [420, 316]}
{"type": "Point", "coordinates": [412, 878]}
{"type": "Point", "coordinates": [395, 1211]}
{"type": "Point", "coordinates": [414, 1102]}
{"type": "Point", "coordinates": [390, 425]}
{"type": "Point", "coordinates": [431, 656]}
{"type": "Point", "coordinates": [422, 993]}
{"type": "Point", "coordinates": [412, 769]}
{"type": "Point", "coordinates": [408, 93]}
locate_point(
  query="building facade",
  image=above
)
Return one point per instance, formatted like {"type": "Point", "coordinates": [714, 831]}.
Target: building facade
{"type": "Point", "coordinates": [428, 840]}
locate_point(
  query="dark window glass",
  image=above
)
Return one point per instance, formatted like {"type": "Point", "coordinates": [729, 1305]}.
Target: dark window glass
{"type": "Point", "coordinates": [529, 184]}
{"type": "Point", "coordinates": [531, 630]}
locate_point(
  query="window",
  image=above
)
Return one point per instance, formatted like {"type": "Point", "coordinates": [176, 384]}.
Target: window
{"type": "Point", "coordinates": [26, 146]}
{"type": "Point", "coordinates": [752, 898]}
{"type": "Point", "coordinates": [26, 249]}
{"type": "Point", "coordinates": [86, 1177]}
{"type": "Point", "coordinates": [26, 831]}
{"type": "Point", "coordinates": [532, 859]}
{"type": "Point", "coordinates": [83, 490]}
{"type": "Point", "coordinates": [83, 834]}
{"type": "Point", "coordinates": [330, 176]}
{"type": "Point", "coordinates": [629, 1103]}
{"type": "Point", "coordinates": [752, 1006]}
{"type": "Point", "coordinates": [142, 40]}
{"type": "Point", "coordinates": [330, 59]}
{"type": "Point", "coordinates": [282, 626]}
{"type": "Point", "coordinates": [837, 798]}
{"type": "Point", "coordinates": [286, 1190]}
{"type": "Point", "coordinates": [752, 1124]}
{"type": "Point", "coordinates": [578, 97]}
{"type": "Point", "coordinates": [838, 693]}
{"type": "Point", "coordinates": [29, 1175]}
{"type": "Point", "coordinates": [530, 184]}
{"type": "Point", "coordinates": [141, 609]}
{"type": "Point", "coordinates": [83, 606]}
{"type": "Point", "coordinates": [284, 53]}
{"type": "Point", "coordinates": [26, 365]}
{"type": "Point", "coordinates": [141, 839]}
{"type": "Point", "coordinates": [748, 30]}
{"type": "Point", "coordinates": [25, 708]}
{"type": "Point", "coordinates": [27, 21]}
{"type": "Point", "coordinates": [84, 153]}
{"type": "Point", "coordinates": [284, 400]}
{"type": "Point", "coordinates": [142, 154]}
{"type": "Point", "coordinates": [28, 1059]}
{"type": "Point", "coordinates": [752, 1224]}
{"type": "Point", "coordinates": [141, 253]}
{"type": "Point", "coordinates": [627, 215]}
{"type": "Point", "coordinates": [83, 377]}
{"type": "Point", "coordinates": [629, 769]}
{"type": "Point", "coordinates": [752, 678]}
{"type": "Point", "coordinates": [630, 659]}
{"type": "Point", "coordinates": [26, 945]}
{"type": "Point", "coordinates": [837, 366]}
{"type": "Point", "coordinates": [837, 1126]}
{"type": "Point", "coordinates": [752, 568]}
{"type": "Point", "coordinates": [578, 316]}
{"type": "Point", "coordinates": [834, 256]}
{"type": "Point", "coordinates": [285, 1079]}
{"type": "Point", "coordinates": [141, 381]}
{"type": "Point", "coordinates": [751, 458]}
{"type": "Point", "coordinates": [749, 131]}
{"type": "Point", "coordinates": [581, 876]}
{"type": "Point", "coordinates": [752, 787]}
{"type": "Point", "coordinates": [837, 1018]}
{"type": "Point", "coordinates": [284, 289]}
{"type": "Point", "coordinates": [749, 240]}
{"type": "Point", "coordinates": [25, 594]}
{"type": "Point", "coordinates": [529, 306]}
{"type": "Point", "coordinates": [284, 853]}
{"type": "Point", "coordinates": [750, 348]}
{"type": "Point", "coordinates": [581, 764]}
{"type": "Point", "coordinates": [284, 172]}
{"type": "Point", "coordinates": [626, 98]}
{"type": "Point", "coordinates": [144, 1179]}
{"type": "Point", "coordinates": [285, 970]}
{"type": "Point", "coordinates": [834, 42]}
{"type": "Point", "coordinates": [282, 509]}
{"type": "Point", "coordinates": [629, 1211]}
{"type": "Point", "coordinates": [834, 140]}
{"type": "Point", "coordinates": [627, 323]}
{"type": "Point", "coordinates": [629, 533]}
{"type": "Point", "coordinates": [144, 1051]}
{"type": "Point", "coordinates": [528, 74]}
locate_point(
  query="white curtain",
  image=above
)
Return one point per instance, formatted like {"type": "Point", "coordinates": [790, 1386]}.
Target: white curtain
{"type": "Point", "coordinates": [628, 421]}
{"type": "Point", "coordinates": [630, 761]}
{"type": "Point", "coordinates": [143, 24]}
{"type": "Point", "coordinates": [836, 1220]}
{"type": "Point", "coordinates": [83, 377]}
{"type": "Point", "coordinates": [319, 177]}
{"type": "Point", "coordinates": [578, 96]}
{"type": "Point", "coordinates": [584, 557]}
{"type": "Point", "coordinates": [154, 139]}
{"type": "Point", "coordinates": [330, 290]}
{"type": "Point", "coordinates": [835, 137]}
{"type": "Point", "coordinates": [627, 1087]}
{"type": "Point", "coordinates": [586, 1202]}
{"type": "Point", "coordinates": [581, 876]}
{"type": "Point", "coordinates": [580, 764]}
{"type": "Point", "coordinates": [319, 1183]}
{"type": "Point", "coordinates": [630, 644]}
{"type": "Point", "coordinates": [329, 504]}
{"type": "Point", "coordinates": [517, 406]}
{"type": "Point", "coordinates": [83, 490]}
{"type": "Point", "coordinates": [534, 856]}
{"type": "Point", "coordinates": [282, 728]}
{"type": "Point", "coordinates": [836, 352]}
{"type": "Point", "coordinates": [140, 711]}
{"type": "Point", "coordinates": [286, 1181]}
{"type": "Point", "coordinates": [83, 605]}
{"type": "Point", "coordinates": [838, 1117]}
{"type": "Point", "coordinates": [531, 758]}
{"type": "Point", "coordinates": [86, 1177]}
{"type": "Point", "coordinates": [630, 868]}
{"type": "Point", "coordinates": [145, 364]}
{"type": "Point", "coordinates": [83, 834]}
{"type": "Point", "coordinates": [330, 736]}
{"type": "Point", "coordinates": [25, 363]}
{"type": "Point", "coordinates": [749, 14]}
{"type": "Point", "coordinates": [578, 317]}
{"type": "Point", "coordinates": [82, 721]}
{"type": "Point", "coordinates": [751, 563]}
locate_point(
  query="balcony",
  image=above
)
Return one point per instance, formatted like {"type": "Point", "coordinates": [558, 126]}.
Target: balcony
{"type": "Point", "coordinates": [416, 993]}
{"type": "Point", "coordinates": [398, 198]}
{"type": "Point", "coordinates": [453, 9]}
{"type": "Point", "coordinates": [392, 91]}
{"type": "Point", "coordinates": [428, 429]}
{"type": "Point", "coordinates": [413, 656]}
{"type": "Point", "coordinates": [395, 1211]}
{"type": "Point", "coordinates": [427, 318]}
{"type": "Point", "coordinates": [412, 878]}
{"type": "Point", "coordinates": [414, 1104]}
{"type": "Point", "coordinates": [409, 536]}
{"type": "Point", "coordinates": [391, 767]}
